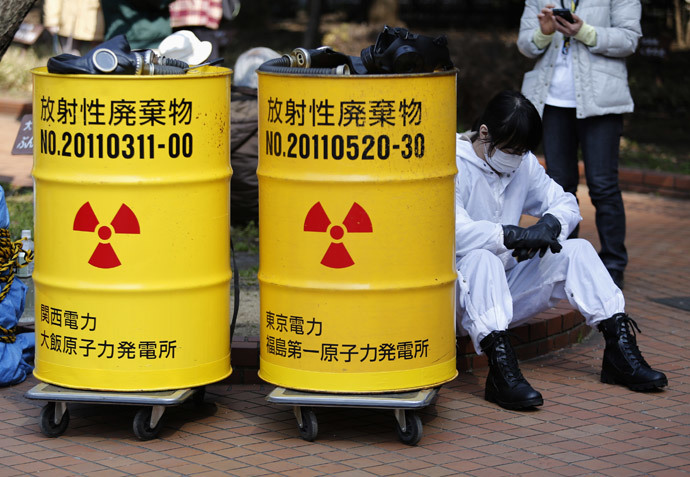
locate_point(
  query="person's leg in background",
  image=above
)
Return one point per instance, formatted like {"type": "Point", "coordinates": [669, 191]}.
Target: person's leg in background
{"type": "Point", "coordinates": [600, 141]}
{"type": "Point", "coordinates": [560, 149]}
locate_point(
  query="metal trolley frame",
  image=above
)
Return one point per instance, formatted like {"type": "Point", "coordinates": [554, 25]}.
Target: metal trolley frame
{"type": "Point", "coordinates": [403, 404]}
{"type": "Point", "coordinates": [147, 422]}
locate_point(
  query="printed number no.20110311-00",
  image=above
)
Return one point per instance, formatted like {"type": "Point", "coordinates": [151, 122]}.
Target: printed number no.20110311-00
{"type": "Point", "coordinates": [127, 146]}
{"type": "Point", "coordinates": [338, 147]}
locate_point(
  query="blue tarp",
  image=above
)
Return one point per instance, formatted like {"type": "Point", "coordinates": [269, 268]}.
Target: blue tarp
{"type": "Point", "coordinates": [15, 358]}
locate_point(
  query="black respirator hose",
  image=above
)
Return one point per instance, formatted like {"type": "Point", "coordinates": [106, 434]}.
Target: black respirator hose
{"type": "Point", "coordinates": [301, 71]}
{"type": "Point", "coordinates": [166, 70]}
{"type": "Point", "coordinates": [275, 63]}
{"type": "Point", "coordinates": [282, 65]}
{"type": "Point", "coordinates": [165, 61]}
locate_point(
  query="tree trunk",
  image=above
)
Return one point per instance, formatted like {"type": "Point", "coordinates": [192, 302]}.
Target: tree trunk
{"type": "Point", "coordinates": [13, 13]}
{"type": "Point", "coordinates": [311, 35]}
{"type": "Point", "coordinates": [678, 17]}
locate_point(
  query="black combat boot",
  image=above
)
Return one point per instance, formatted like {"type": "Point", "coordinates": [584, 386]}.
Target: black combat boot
{"type": "Point", "coordinates": [505, 384]}
{"type": "Point", "coordinates": [623, 363]}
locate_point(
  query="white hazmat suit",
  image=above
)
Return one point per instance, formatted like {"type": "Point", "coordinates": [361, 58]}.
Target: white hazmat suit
{"type": "Point", "coordinates": [494, 291]}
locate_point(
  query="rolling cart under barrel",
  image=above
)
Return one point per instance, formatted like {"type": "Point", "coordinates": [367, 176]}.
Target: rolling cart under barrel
{"type": "Point", "coordinates": [403, 404]}
{"type": "Point", "coordinates": [147, 422]}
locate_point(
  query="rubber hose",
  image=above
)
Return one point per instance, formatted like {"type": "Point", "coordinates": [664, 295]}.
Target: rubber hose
{"type": "Point", "coordinates": [164, 61]}
{"type": "Point", "coordinates": [167, 70]}
{"type": "Point", "coordinates": [298, 71]}
{"type": "Point", "coordinates": [275, 62]}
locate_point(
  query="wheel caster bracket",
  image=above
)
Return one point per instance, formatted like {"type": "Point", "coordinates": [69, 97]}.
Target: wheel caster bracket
{"type": "Point", "coordinates": [60, 409]}
{"type": "Point", "coordinates": [156, 414]}
{"type": "Point", "coordinates": [298, 415]}
{"type": "Point", "coordinates": [400, 417]}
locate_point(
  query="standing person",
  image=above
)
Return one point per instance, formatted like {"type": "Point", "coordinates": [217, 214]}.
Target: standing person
{"type": "Point", "coordinates": [203, 17]}
{"type": "Point", "coordinates": [508, 273]}
{"type": "Point", "coordinates": [77, 21]}
{"type": "Point", "coordinates": [145, 23]}
{"type": "Point", "coordinates": [580, 87]}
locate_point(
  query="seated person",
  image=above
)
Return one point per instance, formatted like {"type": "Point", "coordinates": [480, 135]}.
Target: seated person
{"type": "Point", "coordinates": [508, 273]}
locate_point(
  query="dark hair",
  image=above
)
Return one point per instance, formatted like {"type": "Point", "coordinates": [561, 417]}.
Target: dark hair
{"type": "Point", "coordinates": [513, 122]}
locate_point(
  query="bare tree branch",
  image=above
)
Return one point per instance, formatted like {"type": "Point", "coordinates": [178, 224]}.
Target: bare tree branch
{"type": "Point", "coordinates": [13, 13]}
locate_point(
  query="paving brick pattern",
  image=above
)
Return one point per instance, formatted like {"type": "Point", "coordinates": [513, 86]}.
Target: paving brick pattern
{"type": "Point", "coordinates": [584, 427]}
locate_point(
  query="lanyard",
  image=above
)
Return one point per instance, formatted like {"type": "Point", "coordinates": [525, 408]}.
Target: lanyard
{"type": "Point", "coordinates": [573, 4]}
{"type": "Point", "coordinates": [566, 40]}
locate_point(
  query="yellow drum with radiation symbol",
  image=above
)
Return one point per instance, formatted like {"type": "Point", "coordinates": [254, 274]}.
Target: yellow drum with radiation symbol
{"type": "Point", "coordinates": [356, 203]}
{"type": "Point", "coordinates": [132, 229]}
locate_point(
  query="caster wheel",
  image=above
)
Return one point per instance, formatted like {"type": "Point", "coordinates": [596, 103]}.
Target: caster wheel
{"type": "Point", "coordinates": [142, 424]}
{"type": "Point", "coordinates": [413, 431]}
{"type": "Point", "coordinates": [198, 396]}
{"type": "Point", "coordinates": [310, 426]}
{"type": "Point", "coordinates": [47, 424]}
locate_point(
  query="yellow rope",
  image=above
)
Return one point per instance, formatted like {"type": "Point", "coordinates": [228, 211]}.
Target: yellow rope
{"type": "Point", "coordinates": [8, 336]}
{"type": "Point", "coordinates": [9, 251]}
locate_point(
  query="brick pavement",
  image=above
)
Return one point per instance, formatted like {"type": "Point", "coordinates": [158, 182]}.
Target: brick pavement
{"type": "Point", "coordinates": [584, 427]}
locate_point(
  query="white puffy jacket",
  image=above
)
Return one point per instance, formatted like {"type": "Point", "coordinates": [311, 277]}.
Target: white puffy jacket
{"type": "Point", "coordinates": [600, 75]}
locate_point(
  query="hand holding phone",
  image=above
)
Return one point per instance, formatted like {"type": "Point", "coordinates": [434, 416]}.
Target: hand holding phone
{"type": "Point", "coordinates": [564, 13]}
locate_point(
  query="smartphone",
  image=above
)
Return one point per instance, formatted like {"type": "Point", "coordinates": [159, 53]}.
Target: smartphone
{"type": "Point", "coordinates": [564, 13]}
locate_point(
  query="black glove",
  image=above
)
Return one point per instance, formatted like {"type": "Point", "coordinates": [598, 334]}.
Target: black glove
{"type": "Point", "coordinates": [540, 237]}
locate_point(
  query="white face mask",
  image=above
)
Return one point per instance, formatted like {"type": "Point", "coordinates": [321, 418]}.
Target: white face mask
{"type": "Point", "coordinates": [502, 162]}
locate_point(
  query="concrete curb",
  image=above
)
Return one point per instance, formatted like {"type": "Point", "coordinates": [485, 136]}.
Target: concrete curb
{"type": "Point", "coordinates": [630, 179]}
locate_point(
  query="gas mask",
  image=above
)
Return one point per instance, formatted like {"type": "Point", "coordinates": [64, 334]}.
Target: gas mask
{"type": "Point", "coordinates": [503, 162]}
{"type": "Point", "coordinates": [115, 57]}
{"type": "Point", "coordinates": [396, 51]}
{"type": "Point", "coordinates": [399, 51]}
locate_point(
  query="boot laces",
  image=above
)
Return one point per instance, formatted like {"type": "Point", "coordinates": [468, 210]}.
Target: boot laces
{"type": "Point", "coordinates": [628, 337]}
{"type": "Point", "coordinates": [510, 365]}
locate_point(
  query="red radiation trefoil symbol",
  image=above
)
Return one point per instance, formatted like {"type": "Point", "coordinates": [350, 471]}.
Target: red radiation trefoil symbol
{"type": "Point", "coordinates": [356, 221]}
{"type": "Point", "coordinates": [124, 222]}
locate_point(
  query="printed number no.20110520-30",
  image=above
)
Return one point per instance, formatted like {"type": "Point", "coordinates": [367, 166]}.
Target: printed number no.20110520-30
{"type": "Point", "coordinates": [338, 147]}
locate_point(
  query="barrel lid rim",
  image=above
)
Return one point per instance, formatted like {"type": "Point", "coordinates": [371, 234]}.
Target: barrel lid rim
{"type": "Point", "coordinates": [451, 72]}
{"type": "Point", "coordinates": [204, 72]}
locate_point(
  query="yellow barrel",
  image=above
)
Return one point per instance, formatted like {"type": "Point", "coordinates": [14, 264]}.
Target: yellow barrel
{"type": "Point", "coordinates": [132, 229]}
{"type": "Point", "coordinates": [356, 235]}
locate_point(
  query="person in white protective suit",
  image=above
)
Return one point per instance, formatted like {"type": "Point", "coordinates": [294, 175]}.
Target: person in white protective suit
{"type": "Point", "coordinates": [507, 273]}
